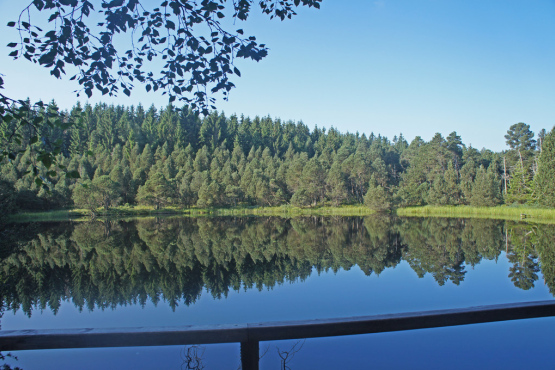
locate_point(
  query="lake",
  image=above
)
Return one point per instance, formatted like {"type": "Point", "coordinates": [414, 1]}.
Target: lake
{"type": "Point", "coordinates": [181, 271]}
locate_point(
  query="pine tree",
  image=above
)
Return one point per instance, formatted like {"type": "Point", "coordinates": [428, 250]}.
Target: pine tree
{"type": "Point", "coordinates": [146, 158]}
{"type": "Point", "coordinates": [468, 173]}
{"type": "Point", "coordinates": [438, 195]}
{"type": "Point", "coordinates": [312, 181]}
{"type": "Point", "coordinates": [156, 191]}
{"type": "Point", "coordinates": [7, 199]}
{"type": "Point", "coordinates": [519, 190]}
{"type": "Point", "coordinates": [377, 197]}
{"type": "Point", "coordinates": [485, 191]}
{"type": "Point", "coordinates": [336, 184]}
{"type": "Point", "coordinates": [544, 181]}
{"type": "Point", "coordinates": [452, 185]}
{"type": "Point", "coordinates": [445, 190]}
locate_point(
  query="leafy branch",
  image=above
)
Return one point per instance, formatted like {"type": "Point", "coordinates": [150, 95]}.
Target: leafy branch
{"type": "Point", "coordinates": [187, 36]}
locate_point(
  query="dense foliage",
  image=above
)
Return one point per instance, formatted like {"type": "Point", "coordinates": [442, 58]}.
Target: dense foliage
{"type": "Point", "coordinates": [195, 49]}
{"type": "Point", "coordinates": [129, 155]}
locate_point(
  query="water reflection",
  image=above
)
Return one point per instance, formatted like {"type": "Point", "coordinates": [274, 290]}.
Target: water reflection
{"type": "Point", "coordinates": [104, 264]}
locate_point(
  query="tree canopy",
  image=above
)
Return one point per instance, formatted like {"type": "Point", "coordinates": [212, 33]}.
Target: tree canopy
{"type": "Point", "coordinates": [165, 156]}
{"type": "Point", "coordinates": [197, 50]}
{"type": "Point", "coordinates": [187, 40]}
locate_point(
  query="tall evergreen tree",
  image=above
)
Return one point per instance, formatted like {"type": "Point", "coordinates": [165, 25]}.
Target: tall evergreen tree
{"type": "Point", "coordinates": [519, 190]}
{"type": "Point", "coordinates": [485, 191]}
{"type": "Point", "coordinates": [377, 198]}
{"type": "Point", "coordinates": [544, 184]}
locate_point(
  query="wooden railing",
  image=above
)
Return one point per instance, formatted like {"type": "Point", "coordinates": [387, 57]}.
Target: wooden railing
{"type": "Point", "coordinates": [249, 335]}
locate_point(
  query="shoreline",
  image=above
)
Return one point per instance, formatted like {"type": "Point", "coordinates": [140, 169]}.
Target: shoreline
{"type": "Point", "coordinates": [526, 214]}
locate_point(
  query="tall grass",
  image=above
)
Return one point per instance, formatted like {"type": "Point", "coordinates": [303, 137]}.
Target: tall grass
{"type": "Point", "coordinates": [540, 215]}
{"type": "Point", "coordinates": [57, 215]}
{"type": "Point", "coordinates": [500, 212]}
{"type": "Point", "coordinates": [145, 211]}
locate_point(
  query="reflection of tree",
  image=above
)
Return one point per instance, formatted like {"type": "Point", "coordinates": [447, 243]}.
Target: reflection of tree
{"type": "Point", "coordinates": [192, 358]}
{"type": "Point", "coordinates": [523, 255]}
{"type": "Point", "coordinates": [105, 264]}
{"type": "Point", "coordinates": [287, 356]}
{"type": "Point", "coordinates": [481, 238]}
{"type": "Point", "coordinates": [442, 246]}
{"type": "Point", "coordinates": [434, 246]}
{"type": "Point", "coordinates": [546, 252]}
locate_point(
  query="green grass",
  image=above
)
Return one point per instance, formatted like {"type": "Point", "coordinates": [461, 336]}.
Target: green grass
{"type": "Point", "coordinates": [531, 214]}
{"type": "Point", "coordinates": [57, 215]}
{"type": "Point", "coordinates": [141, 211]}
{"type": "Point", "coordinates": [501, 212]}
{"type": "Point", "coordinates": [84, 214]}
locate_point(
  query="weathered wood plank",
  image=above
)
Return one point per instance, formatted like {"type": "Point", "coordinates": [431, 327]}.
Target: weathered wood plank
{"type": "Point", "coordinates": [401, 321]}
{"type": "Point", "coordinates": [250, 352]}
{"type": "Point", "coordinates": [12, 340]}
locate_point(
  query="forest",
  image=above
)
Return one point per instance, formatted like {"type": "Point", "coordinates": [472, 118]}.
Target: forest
{"type": "Point", "coordinates": [119, 155]}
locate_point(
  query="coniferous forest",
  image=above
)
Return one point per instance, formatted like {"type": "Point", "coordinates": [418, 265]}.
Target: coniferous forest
{"type": "Point", "coordinates": [160, 157]}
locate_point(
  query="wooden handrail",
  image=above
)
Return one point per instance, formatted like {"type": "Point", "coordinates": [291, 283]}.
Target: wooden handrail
{"type": "Point", "coordinates": [17, 340]}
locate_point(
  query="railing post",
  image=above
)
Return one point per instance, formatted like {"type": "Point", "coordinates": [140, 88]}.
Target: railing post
{"type": "Point", "coordinates": [249, 355]}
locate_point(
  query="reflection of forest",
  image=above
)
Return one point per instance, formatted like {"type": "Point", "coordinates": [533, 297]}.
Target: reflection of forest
{"type": "Point", "coordinates": [105, 264]}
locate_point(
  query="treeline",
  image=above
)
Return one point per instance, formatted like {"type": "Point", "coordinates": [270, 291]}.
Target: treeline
{"type": "Point", "coordinates": [129, 155]}
{"type": "Point", "coordinates": [105, 264]}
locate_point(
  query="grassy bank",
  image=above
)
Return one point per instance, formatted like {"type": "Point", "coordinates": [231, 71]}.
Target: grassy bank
{"type": "Point", "coordinates": [56, 215]}
{"type": "Point", "coordinates": [140, 211]}
{"type": "Point", "coordinates": [75, 214]}
{"type": "Point", "coordinates": [500, 212]}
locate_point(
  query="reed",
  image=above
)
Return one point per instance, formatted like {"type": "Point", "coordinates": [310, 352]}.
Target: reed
{"type": "Point", "coordinates": [541, 215]}
{"type": "Point", "coordinates": [142, 211]}
{"type": "Point", "coordinates": [500, 212]}
{"type": "Point", "coordinates": [57, 215]}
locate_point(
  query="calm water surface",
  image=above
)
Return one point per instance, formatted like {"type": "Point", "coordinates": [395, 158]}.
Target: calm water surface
{"type": "Point", "coordinates": [179, 271]}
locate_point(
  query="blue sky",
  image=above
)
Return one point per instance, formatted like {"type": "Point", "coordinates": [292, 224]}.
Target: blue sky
{"type": "Point", "coordinates": [415, 67]}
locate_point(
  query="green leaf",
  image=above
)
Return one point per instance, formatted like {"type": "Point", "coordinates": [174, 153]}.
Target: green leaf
{"type": "Point", "coordinates": [39, 4]}
{"type": "Point", "coordinates": [45, 159]}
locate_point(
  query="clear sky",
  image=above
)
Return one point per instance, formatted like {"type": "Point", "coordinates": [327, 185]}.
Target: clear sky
{"type": "Point", "coordinates": [415, 67]}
